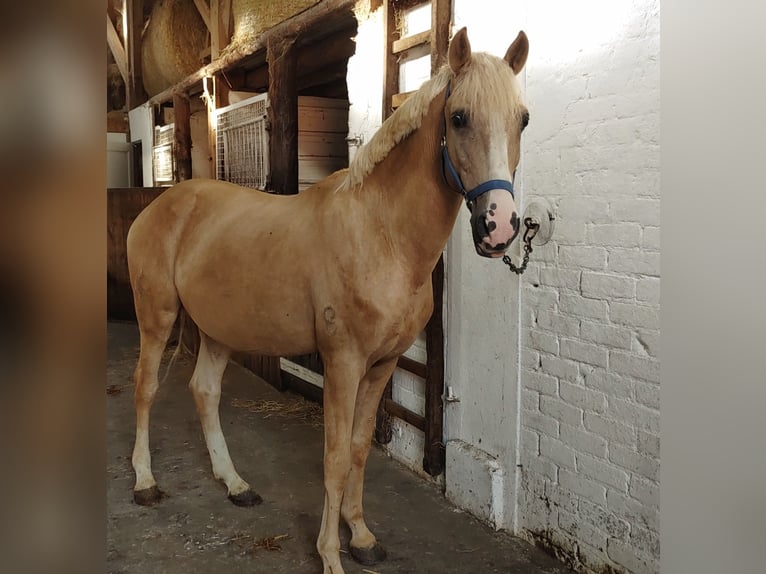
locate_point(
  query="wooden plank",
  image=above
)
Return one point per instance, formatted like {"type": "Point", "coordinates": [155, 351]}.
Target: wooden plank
{"type": "Point", "coordinates": [301, 372]}
{"type": "Point", "coordinates": [441, 17]}
{"type": "Point", "coordinates": [204, 11]}
{"type": "Point", "coordinates": [304, 25]}
{"type": "Point", "coordinates": [117, 121]}
{"type": "Point", "coordinates": [117, 49]}
{"type": "Point", "coordinates": [134, 14]}
{"type": "Point", "coordinates": [182, 137]}
{"type": "Point", "coordinates": [398, 99]}
{"type": "Point", "coordinates": [408, 42]}
{"type": "Point", "coordinates": [122, 207]}
{"type": "Point", "coordinates": [226, 19]}
{"type": "Point", "coordinates": [413, 367]}
{"type": "Point", "coordinates": [405, 414]}
{"type": "Point", "coordinates": [434, 452]}
{"type": "Point", "coordinates": [219, 37]}
{"type": "Point", "coordinates": [283, 115]}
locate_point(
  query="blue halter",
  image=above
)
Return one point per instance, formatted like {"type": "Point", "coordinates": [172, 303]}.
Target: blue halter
{"type": "Point", "coordinates": [450, 168]}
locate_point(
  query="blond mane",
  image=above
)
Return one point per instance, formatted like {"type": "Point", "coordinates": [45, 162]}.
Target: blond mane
{"type": "Point", "coordinates": [398, 126]}
{"type": "Point", "coordinates": [481, 81]}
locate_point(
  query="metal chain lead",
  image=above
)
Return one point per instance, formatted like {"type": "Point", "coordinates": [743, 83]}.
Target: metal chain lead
{"type": "Point", "coordinates": [529, 234]}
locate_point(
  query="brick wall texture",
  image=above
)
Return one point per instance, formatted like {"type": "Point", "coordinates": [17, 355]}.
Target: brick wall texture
{"type": "Point", "coordinates": [590, 383]}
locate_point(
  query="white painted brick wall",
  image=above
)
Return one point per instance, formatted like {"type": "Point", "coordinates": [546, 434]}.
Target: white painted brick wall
{"type": "Point", "coordinates": [590, 307]}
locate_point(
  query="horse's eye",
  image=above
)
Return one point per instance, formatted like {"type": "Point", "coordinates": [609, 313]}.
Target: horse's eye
{"type": "Point", "coordinates": [524, 120]}
{"type": "Point", "coordinates": [459, 119]}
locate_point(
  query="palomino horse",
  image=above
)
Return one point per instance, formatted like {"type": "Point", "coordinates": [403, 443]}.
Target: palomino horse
{"type": "Point", "coordinates": [343, 268]}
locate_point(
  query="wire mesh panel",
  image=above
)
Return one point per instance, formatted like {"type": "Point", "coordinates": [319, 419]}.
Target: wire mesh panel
{"type": "Point", "coordinates": [242, 143]}
{"type": "Point", "coordinates": [163, 160]}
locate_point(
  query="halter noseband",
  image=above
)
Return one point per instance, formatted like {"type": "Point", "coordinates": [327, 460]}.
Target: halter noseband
{"type": "Point", "coordinates": [450, 168]}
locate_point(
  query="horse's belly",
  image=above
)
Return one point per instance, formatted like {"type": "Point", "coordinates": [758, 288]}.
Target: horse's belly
{"type": "Point", "coordinates": [254, 303]}
{"type": "Point", "coordinates": [266, 327]}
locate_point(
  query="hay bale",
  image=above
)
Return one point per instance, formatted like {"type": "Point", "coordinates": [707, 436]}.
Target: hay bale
{"type": "Point", "coordinates": [252, 17]}
{"type": "Point", "coordinates": [171, 45]}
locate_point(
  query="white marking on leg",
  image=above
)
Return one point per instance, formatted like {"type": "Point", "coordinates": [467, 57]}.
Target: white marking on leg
{"type": "Point", "coordinates": [206, 387]}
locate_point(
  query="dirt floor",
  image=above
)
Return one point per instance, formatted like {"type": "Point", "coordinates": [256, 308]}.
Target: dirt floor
{"type": "Point", "coordinates": [275, 440]}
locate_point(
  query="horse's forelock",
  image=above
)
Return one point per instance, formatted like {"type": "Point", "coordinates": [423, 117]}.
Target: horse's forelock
{"type": "Point", "coordinates": [489, 85]}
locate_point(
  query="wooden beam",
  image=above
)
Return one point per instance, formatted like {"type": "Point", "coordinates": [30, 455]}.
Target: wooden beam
{"type": "Point", "coordinates": [182, 137]}
{"type": "Point", "coordinates": [383, 429]}
{"type": "Point", "coordinates": [390, 64]}
{"type": "Point", "coordinates": [283, 115]}
{"type": "Point", "coordinates": [220, 30]}
{"type": "Point", "coordinates": [134, 13]}
{"type": "Point", "coordinates": [411, 41]}
{"type": "Point", "coordinates": [412, 366]}
{"type": "Point", "coordinates": [204, 11]}
{"type": "Point", "coordinates": [118, 51]}
{"type": "Point", "coordinates": [303, 25]}
{"type": "Point", "coordinates": [434, 452]}
{"type": "Point", "coordinates": [405, 414]}
{"type": "Point", "coordinates": [441, 18]}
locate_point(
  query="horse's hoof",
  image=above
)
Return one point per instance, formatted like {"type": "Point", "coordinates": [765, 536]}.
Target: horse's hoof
{"type": "Point", "coordinates": [246, 498]}
{"type": "Point", "coordinates": [148, 496]}
{"type": "Point", "coordinates": [368, 556]}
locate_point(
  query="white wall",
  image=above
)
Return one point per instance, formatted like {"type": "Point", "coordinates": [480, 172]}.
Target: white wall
{"type": "Point", "coordinates": [590, 308]}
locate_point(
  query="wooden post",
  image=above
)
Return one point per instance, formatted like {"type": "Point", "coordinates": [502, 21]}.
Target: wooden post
{"type": "Point", "coordinates": [441, 16]}
{"type": "Point", "coordinates": [220, 31]}
{"type": "Point", "coordinates": [117, 49]}
{"type": "Point", "coordinates": [434, 451]}
{"type": "Point", "coordinates": [283, 115]}
{"type": "Point", "coordinates": [390, 64]}
{"type": "Point", "coordinates": [182, 137]}
{"type": "Point", "coordinates": [134, 14]}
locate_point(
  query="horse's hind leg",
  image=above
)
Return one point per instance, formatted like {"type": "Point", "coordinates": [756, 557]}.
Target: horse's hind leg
{"type": "Point", "coordinates": [363, 546]}
{"type": "Point", "coordinates": [155, 320]}
{"type": "Point", "coordinates": [206, 387]}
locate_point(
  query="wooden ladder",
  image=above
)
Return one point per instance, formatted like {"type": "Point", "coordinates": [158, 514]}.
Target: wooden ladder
{"type": "Point", "coordinates": [432, 423]}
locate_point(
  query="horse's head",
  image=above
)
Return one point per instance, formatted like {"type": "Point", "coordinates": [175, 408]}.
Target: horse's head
{"type": "Point", "coordinates": [484, 117]}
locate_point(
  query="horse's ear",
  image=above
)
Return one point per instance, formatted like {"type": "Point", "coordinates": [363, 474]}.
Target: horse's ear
{"type": "Point", "coordinates": [459, 51]}
{"type": "Point", "coordinates": [516, 56]}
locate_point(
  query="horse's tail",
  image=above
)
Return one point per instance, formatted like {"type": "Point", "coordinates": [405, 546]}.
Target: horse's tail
{"type": "Point", "coordinates": [179, 345]}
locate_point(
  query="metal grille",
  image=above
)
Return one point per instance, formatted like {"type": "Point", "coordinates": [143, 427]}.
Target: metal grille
{"type": "Point", "coordinates": [163, 160]}
{"type": "Point", "coordinates": [242, 143]}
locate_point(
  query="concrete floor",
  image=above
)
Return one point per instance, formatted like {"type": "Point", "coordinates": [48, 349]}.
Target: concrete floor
{"type": "Point", "coordinates": [195, 529]}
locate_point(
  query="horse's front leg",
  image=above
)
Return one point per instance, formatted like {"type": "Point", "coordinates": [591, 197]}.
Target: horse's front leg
{"type": "Point", "coordinates": [341, 381]}
{"type": "Point", "coordinates": [364, 547]}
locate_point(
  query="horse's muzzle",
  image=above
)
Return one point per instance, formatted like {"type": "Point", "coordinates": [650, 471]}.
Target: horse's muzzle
{"type": "Point", "coordinates": [494, 224]}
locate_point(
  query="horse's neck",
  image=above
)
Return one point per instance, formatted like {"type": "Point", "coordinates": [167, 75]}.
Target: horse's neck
{"type": "Point", "coordinates": [421, 208]}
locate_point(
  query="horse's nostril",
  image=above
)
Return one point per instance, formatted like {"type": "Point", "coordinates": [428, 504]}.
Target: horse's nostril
{"type": "Point", "coordinates": [483, 228]}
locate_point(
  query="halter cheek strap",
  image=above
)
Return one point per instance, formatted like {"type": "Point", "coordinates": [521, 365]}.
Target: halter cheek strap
{"type": "Point", "coordinates": [449, 167]}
